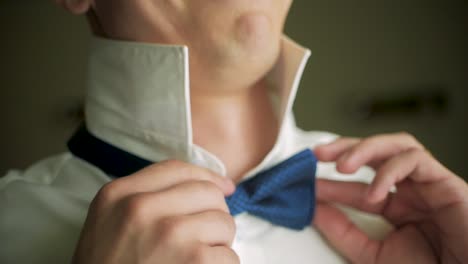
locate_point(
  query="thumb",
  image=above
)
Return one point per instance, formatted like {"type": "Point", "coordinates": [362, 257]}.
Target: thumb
{"type": "Point", "coordinates": [344, 235]}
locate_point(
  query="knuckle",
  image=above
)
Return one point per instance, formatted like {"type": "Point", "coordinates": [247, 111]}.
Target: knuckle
{"type": "Point", "coordinates": [209, 188]}
{"type": "Point", "coordinates": [372, 140]}
{"type": "Point", "coordinates": [420, 154]}
{"type": "Point", "coordinates": [107, 194]}
{"type": "Point", "coordinates": [229, 223]}
{"type": "Point", "coordinates": [405, 134]}
{"type": "Point", "coordinates": [354, 140]}
{"type": "Point", "coordinates": [225, 221]}
{"type": "Point", "coordinates": [136, 209]}
{"type": "Point", "coordinates": [195, 172]}
{"type": "Point", "coordinates": [199, 255]}
{"type": "Point", "coordinates": [214, 194]}
{"type": "Point", "coordinates": [171, 230]}
{"type": "Point", "coordinates": [208, 192]}
{"type": "Point", "coordinates": [409, 138]}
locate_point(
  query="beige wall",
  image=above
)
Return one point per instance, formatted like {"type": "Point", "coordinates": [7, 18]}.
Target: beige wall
{"type": "Point", "coordinates": [361, 50]}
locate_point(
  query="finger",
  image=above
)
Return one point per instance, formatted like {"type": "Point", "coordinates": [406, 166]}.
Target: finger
{"type": "Point", "coordinates": [183, 199]}
{"type": "Point", "coordinates": [375, 149]}
{"type": "Point", "coordinates": [396, 209]}
{"type": "Point", "coordinates": [342, 234]}
{"type": "Point", "coordinates": [352, 194]}
{"type": "Point", "coordinates": [417, 165]}
{"type": "Point", "coordinates": [193, 197]}
{"type": "Point", "coordinates": [161, 176]}
{"type": "Point", "coordinates": [172, 172]}
{"type": "Point", "coordinates": [217, 254]}
{"type": "Point", "coordinates": [331, 151]}
{"type": "Point", "coordinates": [214, 228]}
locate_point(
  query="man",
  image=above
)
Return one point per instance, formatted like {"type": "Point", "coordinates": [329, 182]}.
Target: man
{"type": "Point", "coordinates": [205, 90]}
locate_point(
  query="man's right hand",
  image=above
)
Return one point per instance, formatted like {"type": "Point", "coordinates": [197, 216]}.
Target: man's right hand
{"type": "Point", "coordinates": [170, 212]}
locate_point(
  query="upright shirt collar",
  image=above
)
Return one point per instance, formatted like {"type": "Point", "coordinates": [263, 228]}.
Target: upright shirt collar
{"type": "Point", "coordinates": [138, 99]}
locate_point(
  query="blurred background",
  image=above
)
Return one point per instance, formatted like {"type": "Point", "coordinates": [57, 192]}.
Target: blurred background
{"type": "Point", "coordinates": [377, 67]}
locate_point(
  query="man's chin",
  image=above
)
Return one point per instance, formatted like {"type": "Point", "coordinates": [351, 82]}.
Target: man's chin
{"type": "Point", "coordinates": [253, 31]}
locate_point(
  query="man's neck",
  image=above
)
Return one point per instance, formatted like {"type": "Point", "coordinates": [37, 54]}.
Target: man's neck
{"type": "Point", "coordinates": [239, 128]}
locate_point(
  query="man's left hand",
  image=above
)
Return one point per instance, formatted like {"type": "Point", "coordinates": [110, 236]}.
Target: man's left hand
{"type": "Point", "coordinates": [429, 209]}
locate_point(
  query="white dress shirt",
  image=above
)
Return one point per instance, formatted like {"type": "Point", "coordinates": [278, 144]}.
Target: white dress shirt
{"type": "Point", "coordinates": [138, 99]}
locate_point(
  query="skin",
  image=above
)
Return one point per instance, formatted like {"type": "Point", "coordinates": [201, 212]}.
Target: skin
{"type": "Point", "coordinates": [223, 37]}
{"type": "Point", "coordinates": [178, 217]}
{"type": "Point", "coordinates": [181, 216]}
{"type": "Point", "coordinates": [429, 209]}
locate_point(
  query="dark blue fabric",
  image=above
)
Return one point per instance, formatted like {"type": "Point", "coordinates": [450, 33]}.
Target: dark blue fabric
{"type": "Point", "coordinates": [283, 194]}
{"type": "Point", "coordinates": [113, 161]}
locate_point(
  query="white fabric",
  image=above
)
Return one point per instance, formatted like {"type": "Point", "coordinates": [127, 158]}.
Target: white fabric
{"type": "Point", "coordinates": [139, 100]}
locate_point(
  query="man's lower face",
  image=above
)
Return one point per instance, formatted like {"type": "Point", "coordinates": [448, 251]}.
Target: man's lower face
{"type": "Point", "coordinates": [177, 21]}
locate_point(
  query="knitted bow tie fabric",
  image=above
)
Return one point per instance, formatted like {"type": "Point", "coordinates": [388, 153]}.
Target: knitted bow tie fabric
{"type": "Point", "coordinates": [283, 194]}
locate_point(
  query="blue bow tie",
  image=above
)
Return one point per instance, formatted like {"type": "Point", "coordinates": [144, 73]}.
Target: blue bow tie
{"type": "Point", "coordinates": [283, 195]}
